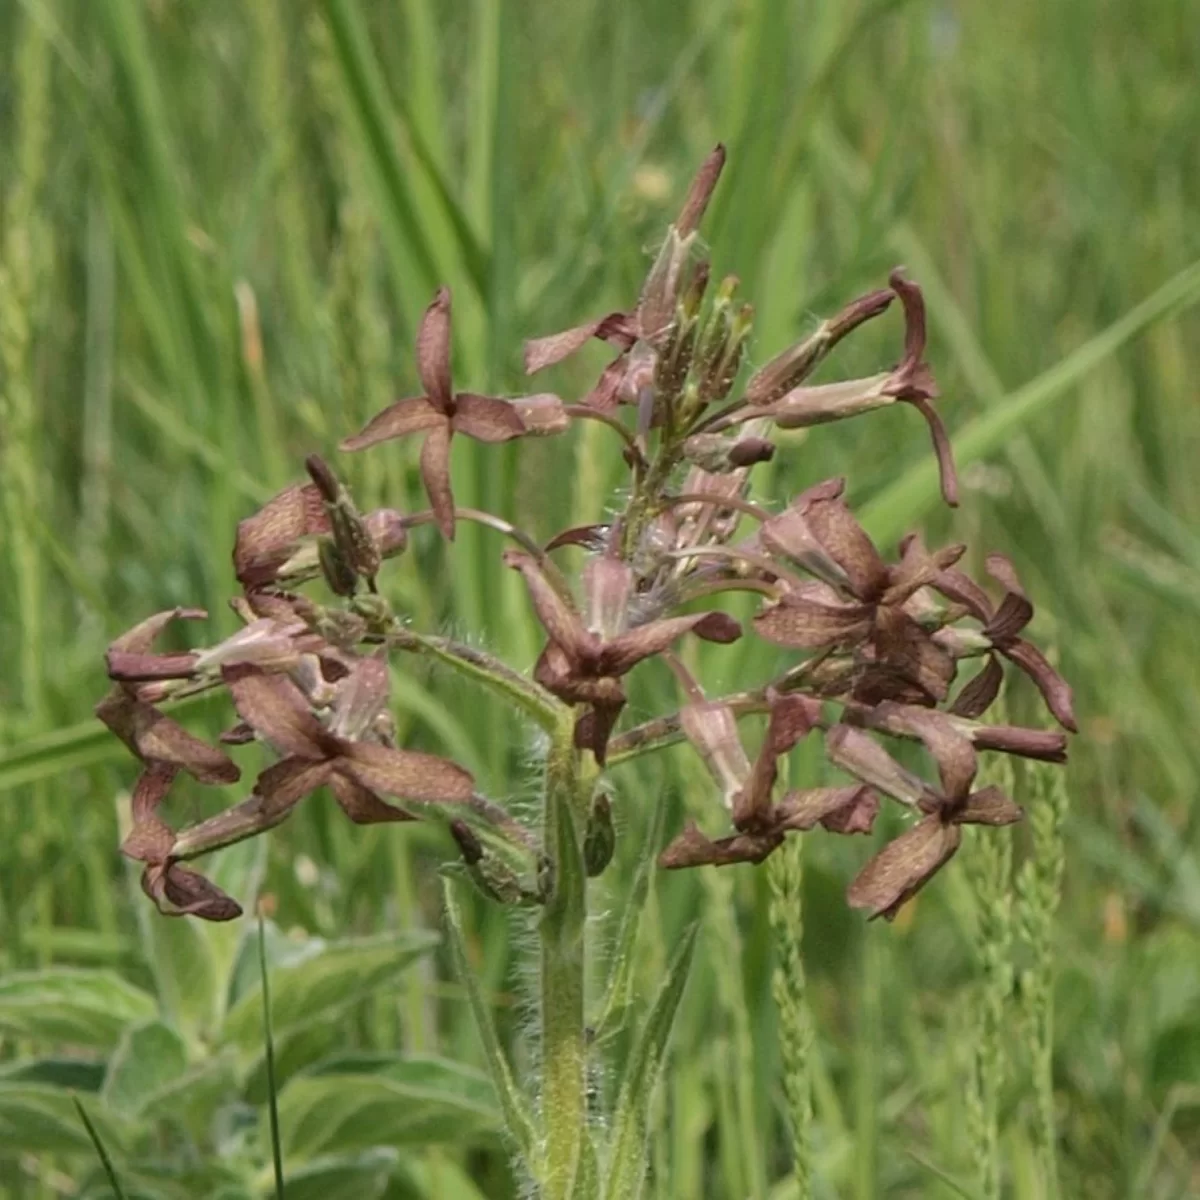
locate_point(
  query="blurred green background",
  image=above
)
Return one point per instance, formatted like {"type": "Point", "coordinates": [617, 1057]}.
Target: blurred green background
{"type": "Point", "coordinates": [219, 223]}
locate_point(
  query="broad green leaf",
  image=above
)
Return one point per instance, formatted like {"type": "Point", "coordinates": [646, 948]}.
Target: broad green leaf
{"type": "Point", "coordinates": [193, 1098]}
{"type": "Point", "coordinates": [336, 976]}
{"type": "Point", "coordinates": [66, 1006]}
{"type": "Point", "coordinates": [517, 1117]}
{"type": "Point", "coordinates": [416, 1102]}
{"type": "Point", "coordinates": [148, 1058]}
{"type": "Point", "coordinates": [74, 1074]}
{"type": "Point", "coordinates": [36, 1117]}
{"type": "Point", "coordinates": [295, 1052]}
{"type": "Point", "coordinates": [361, 1176]}
{"type": "Point", "coordinates": [626, 1168]}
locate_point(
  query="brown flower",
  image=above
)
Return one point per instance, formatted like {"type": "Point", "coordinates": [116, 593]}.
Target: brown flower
{"type": "Point", "coordinates": [859, 601]}
{"type": "Point", "coordinates": [906, 864]}
{"type": "Point", "coordinates": [911, 382]}
{"type": "Point", "coordinates": [637, 334]}
{"type": "Point", "coordinates": [440, 413]}
{"type": "Point", "coordinates": [1001, 625]}
{"type": "Point", "coordinates": [586, 656]}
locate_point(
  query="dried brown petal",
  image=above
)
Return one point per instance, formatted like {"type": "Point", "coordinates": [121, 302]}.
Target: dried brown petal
{"type": "Point", "coordinates": [989, 806]}
{"type": "Point", "coordinates": [124, 667]}
{"type": "Point", "coordinates": [558, 617]}
{"type": "Point", "coordinates": [941, 448]}
{"type": "Point", "coordinates": [911, 654]}
{"type": "Point", "coordinates": [712, 729]}
{"type": "Point", "coordinates": [1054, 688]}
{"type": "Point", "coordinates": [594, 727]}
{"type": "Point", "coordinates": [692, 849]}
{"type": "Point", "coordinates": [179, 891]}
{"type": "Point", "coordinates": [800, 623]}
{"type": "Point", "coordinates": [623, 653]}
{"type": "Point", "coordinates": [361, 696]}
{"type": "Point", "coordinates": [918, 568]}
{"type": "Point", "coordinates": [277, 711]}
{"type": "Point", "coordinates": [487, 418]}
{"type": "Point", "coordinates": [435, 474]}
{"type": "Point", "coordinates": [791, 718]}
{"type": "Point", "coordinates": [962, 589]}
{"type": "Point", "coordinates": [591, 537]}
{"type": "Point", "coordinates": [141, 638]}
{"type": "Point", "coordinates": [608, 586]}
{"type": "Point", "coordinates": [284, 784]}
{"type": "Point", "coordinates": [903, 867]}
{"type": "Point", "coordinates": [616, 327]}
{"type": "Point", "coordinates": [361, 804]}
{"type": "Point", "coordinates": [861, 755]}
{"type": "Point", "coordinates": [157, 738]}
{"type": "Point", "coordinates": [850, 809]}
{"type": "Point", "coordinates": [977, 696]}
{"type": "Point", "coordinates": [400, 419]}
{"type": "Point", "coordinates": [701, 191]}
{"type": "Point", "coordinates": [845, 541]}
{"type": "Point", "coordinates": [1015, 611]}
{"type": "Point", "coordinates": [433, 352]}
{"type": "Point", "coordinates": [407, 774]}
{"type": "Point", "coordinates": [1047, 745]}
{"type": "Point", "coordinates": [150, 839]}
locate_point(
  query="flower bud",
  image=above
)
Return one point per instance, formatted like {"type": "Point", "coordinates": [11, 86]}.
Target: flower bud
{"type": "Point", "coordinates": [600, 837]}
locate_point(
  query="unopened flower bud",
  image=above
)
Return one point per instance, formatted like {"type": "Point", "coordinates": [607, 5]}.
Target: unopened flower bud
{"type": "Point", "coordinates": [340, 576]}
{"type": "Point", "coordinates": [600, 838]}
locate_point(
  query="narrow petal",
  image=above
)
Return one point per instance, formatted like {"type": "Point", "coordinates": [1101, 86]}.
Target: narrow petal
{"type": "Point", "coordinates": [977, 696]}
{"type": "Point", "coordinates": [361, 804]}
{"type": "Point", "coordinates": [914, 316]}
{"type": "Point", "coordinates": [606, 394]}
{"type": "Point", "coordinates": [590, 537]}
{"type": "Point", "coordinates": [623, 653]}
{"type": "Point", "coordinates": [141, 638]}
{"type": "Point", "coordinates": [989, 806]}
{"type": "Point", "coordinates": [941, 448]}
{"type": "Point", "coordinates": [1047, 745]}
{"type": "Point", "coordinates": [808, 625]}
{"type": "Point", "coordinates": [124, 667]}
{"type": "Point", "coordinates": [850, 809]}
{"type": "Point", "coordinates": [846, 542]}
{"type": "Point", "coordinates": [546, 351]}
{"type": "Point", "coordinates": [559, 618]}
{"type": "Point", "coordinates": [275, 708]}
{"type": "Point", "coordinates": [692, 849]}
{"type": "Point", "coordinates": [487, 418]}
{"type": "Point", "coordinates": [435, 474]}
{"type": "Point", "coordinates": [407, 774]}
{"type": "Point", "coordinates": [1015, 611]}
{"type": "Point", "coordinates": [594, 727]}
{"type": "Point", "coordinates": [157, 738]}
{"type": "Point", "coordinates": [1054, 688]}
{"type": "Point", "coordinates": [151, 839]}
{"type": "Point", "coordinates": [401, 419]}
{"type": "Point", "coordinates": [861, 755]}
{"type": "Point", "coordinates": [791, 718]}
{"type": "Point", "coordinates": [918, 568]}
{"type": "Point", "coordinates": [433, 352]}
{"type": "Point", "coordinates": [903, 867]}
{"type": "Point", "coordinates": [700, 192]}
{"type": "Point", "coordinates": [907, 650]}
{"type": "Point", "coordinates": [284, 784]}
{"type": "Point", "coordinates": [962, 589]}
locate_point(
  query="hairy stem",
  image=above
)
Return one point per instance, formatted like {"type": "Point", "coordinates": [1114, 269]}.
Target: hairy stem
{"type": "Point", "coordinates": [564, 1043]}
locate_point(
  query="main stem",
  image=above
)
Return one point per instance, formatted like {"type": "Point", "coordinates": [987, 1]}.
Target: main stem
{"type": "Point", "coordinates": [564, 1045]}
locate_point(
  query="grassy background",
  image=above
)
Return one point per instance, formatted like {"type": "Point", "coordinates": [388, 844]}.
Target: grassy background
{"type": "Point", "coordinates": [219, 223]}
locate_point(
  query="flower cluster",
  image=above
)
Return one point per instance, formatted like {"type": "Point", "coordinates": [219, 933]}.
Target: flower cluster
{"type": "Point", "coordinates": [874, 648]}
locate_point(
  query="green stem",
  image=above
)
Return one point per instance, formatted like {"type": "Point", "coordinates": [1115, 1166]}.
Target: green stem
{"type": "Point", "coordinates": [564, 1044]}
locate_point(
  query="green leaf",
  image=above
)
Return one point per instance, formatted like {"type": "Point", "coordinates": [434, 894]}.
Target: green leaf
{"type": "Point", "coordinates": [618, 992]}
{"type": "Point", "coordinates": [361, 1176]}
{"type": "Point", "coordinates": [148, 1058]}
{"type": "Point", "coordinates": [68, 1006]}
{"type": "Point", "coordinates": [414, 1102]}
{"type": "Point", "coordinates": [627, 1163]}
{"type": "Point", "coordinates": [36, 1117]}
{"type": "Point", "coordinates": [335, 976]}
{"type": "Point", "coordinates": [74, 1074]}
{"type": "Point", "coordinates": [517, 1118]}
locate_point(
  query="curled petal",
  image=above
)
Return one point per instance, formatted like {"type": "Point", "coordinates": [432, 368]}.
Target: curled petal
{"type": "Point", "coordinates": [977, 696]}
{"type": "Point", "coordinates": [1015, 611]}
{"type": "Point", "coordinates": [487, 418]}
{"type": "Point", "coordinates": [692, 849]}
{"type": "Point", "coordinates": [623, 653]}
{"type": "Point", "coordinates": [941, 448]}
{"type": "Point", "coordinates": [435, 474]}
{"type": "Point", "coordinates": [701, 192]}
{"type": "Point", "coordinates": [151, 839]}
{"type": "Point", "coordinates": [406, 774]}
{"type": "Point", "coordinates": [157, 738]}
{"type": "Point", "coordinates": [606, 394]}
{"type": "Point", "coordinates": [1047, 745]}
{"type": "Point", "coordinates": [1054, 688]}
{"type": "Point", "coordinates": [141, 638]}
{"type": "Point", "coordinates": [616, 327]}
{"type": "Point", "coordinates": [861, 755]}
{"type": "Point", "coordinates": [989, 806]}
{"type": "Point", "coordinates": [401, 419]}
{"type": "Point", "coordinates": [903, 867]}
{"type": "Point", "coordinates": [850, 809]}
{"type": "Point", "coordinates": [594, 727]}
{"type": "Point", "coordinates": [361, 804]}
{"type": "Point", "coordinates": [962, 589]}
{"type": "Point", "coordinates": [590, 537]}
{"type": "Point", "coordinates": [433, 352]}
{"type": "Point", "coordinates": [284, 784]}
{"type": "Point", "coordinates": [558, 616]}
{"type": "Point", "coordinates": [275, 708]}
{"type": "Point", "coordinates": [791, 718]}
{"type": "Point", "coordinates": [918, 568]}
{"type": "Point", "coordinates": [266, 540]}
{"type": "Point", "coordinates": [908, 652]}
{"type": "Point", "coordinates": [914, 317]}
{"type": "Point", "coordinates": [845, 541]}
{"type": "Point", "coordinates": [179, 891]}
{"type": "Point", "coordinates": [124, 667]}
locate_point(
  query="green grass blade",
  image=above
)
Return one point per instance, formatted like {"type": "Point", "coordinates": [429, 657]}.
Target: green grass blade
{"type": "Point", "coordinates": [101, 1152]}
{"type": "Point", "coordinates": [269, 1046]}
{"type": "Point", "coordinates": [626, 1167]}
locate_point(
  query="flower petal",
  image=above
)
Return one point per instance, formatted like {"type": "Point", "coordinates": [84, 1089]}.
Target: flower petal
{"type": "Point", "coordinates": [977, 696]}
{"type": "Point", "coordinates": [275, 708]}
{"type": "Point", "coordinates": [407, 774]}
{"type": "Point", "coordinates": [558, 616]}
{"type": "Point", "coordinates": [141, 638]}
{"type": "Point", "coordinates": [433, 352]}
{"type": "Point", "coordinates": [362, 805]}
{"type": "Point", "coordinates": [903, 867]}
{"type": "Point", "coordinates": [266, 540]}
{"type": "Point", "coordinates": [845, 541]}
{"type": "Point", "coordinates": [623, 653]}
{"type": "Point", "coordinates": [941, 448]}
{"type": "Point", "coordinates": [804, 624]}
{"type": "Point", "coordinates": [543, 352]}
{"type": "Point", "coordinates": [1054, 688]}
{"type": "Point", "coordinates": [850, 809]}
{"type": "Point", "coordinates": [151, 838]}
{"type": "Point", "coordinates": [1047, 745]}
{"type": "Point", "coordinates": [543, 413]}
{"type": "Point", "coordinates": [435, 474]}
{"type": "Point", "coordinates": [487, 418]}
{"type": "Point", "coordinates": [962, 589]}
{"type": "Point", "coordinates": [179, 891]}
{"type": "Point", "coordinates": [989, 806]}
{"type": "Point", "coordinates": [692, 849]}
{"type": "Point", "coordinates": [861, 755]}
{"type": "Point", "coordinates": [415, 414]}
{"type": "Point", "coordinates": [1015, 611]}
